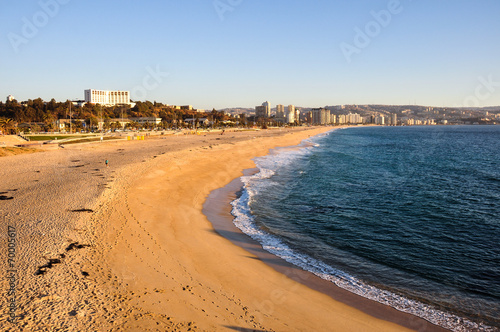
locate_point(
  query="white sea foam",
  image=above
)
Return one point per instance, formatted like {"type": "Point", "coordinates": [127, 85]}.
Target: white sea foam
{"type": "Point", "coordinates": [244, 220]}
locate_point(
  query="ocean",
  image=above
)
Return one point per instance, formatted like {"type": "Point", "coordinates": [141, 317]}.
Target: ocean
{"type": "Point", "coordinates": [406, 216]}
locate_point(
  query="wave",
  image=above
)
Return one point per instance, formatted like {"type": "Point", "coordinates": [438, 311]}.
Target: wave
{"type": "Point", "coordinates": [244, 220]}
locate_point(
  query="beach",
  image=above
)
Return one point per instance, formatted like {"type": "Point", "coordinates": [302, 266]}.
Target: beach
{"type": "Point", "coordinates": [128, 247]}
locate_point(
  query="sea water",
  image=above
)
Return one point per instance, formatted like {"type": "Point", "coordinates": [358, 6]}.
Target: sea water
{"type": "Point", "coordinates": [406, 216]}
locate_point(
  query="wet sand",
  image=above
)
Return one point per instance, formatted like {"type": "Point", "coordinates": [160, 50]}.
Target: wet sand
{"type": "Point", "coordinates": [217, 208]}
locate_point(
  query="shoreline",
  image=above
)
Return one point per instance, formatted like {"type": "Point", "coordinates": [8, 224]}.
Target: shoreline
{"type": "Point", "coordinates": [132, 250]}
{"type": "Point", "coordinates": [176, 271]}
{"type": "Point", "coordinates": [218, 209]}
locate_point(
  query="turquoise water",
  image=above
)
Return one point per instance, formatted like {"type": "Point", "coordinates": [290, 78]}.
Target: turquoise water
{"type": "Point", "coordinates": [407, 216]}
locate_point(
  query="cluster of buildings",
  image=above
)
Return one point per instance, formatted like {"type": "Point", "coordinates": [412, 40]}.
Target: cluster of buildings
{"type": "Point", "coordinates": [319, 116]}
{"type": "Point", "coordinates": [290, 115]}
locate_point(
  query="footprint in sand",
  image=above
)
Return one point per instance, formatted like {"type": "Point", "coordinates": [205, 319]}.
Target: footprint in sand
{"type": "Point", "coordinates": [43, 268]}
{"type": "Point", "coordinates": [76, 245]}
{"type": "Point", "coordinates": [83, 210]}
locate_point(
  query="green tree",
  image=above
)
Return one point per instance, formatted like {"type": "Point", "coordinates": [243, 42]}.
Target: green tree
{"type": "Point", "coordinates": [6, 125]}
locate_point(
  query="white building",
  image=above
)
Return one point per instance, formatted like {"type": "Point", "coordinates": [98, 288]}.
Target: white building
{"type": "Point", "coordinates": [290, 114]}
{"type": "Point", "coordinates": [380, 120]}
{"type": "Point", "coordinates": [10, 98]}
{"type": "Point", "coordinates": [341, 119]}
{"type": "Point", "coordinates": [353, 118]}
{"type": "Point", "coordinates": [107, 98]}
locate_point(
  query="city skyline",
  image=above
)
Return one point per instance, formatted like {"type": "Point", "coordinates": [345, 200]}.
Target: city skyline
{"type": "Point", "coordinates": [223, 54]}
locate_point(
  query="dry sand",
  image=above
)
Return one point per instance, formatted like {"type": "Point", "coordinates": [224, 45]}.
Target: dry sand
{"type": "Point", "coordinates": [127, 247]}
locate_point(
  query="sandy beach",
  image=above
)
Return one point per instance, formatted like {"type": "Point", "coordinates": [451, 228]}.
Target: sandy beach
{"type": "Point", "coordinates": [129, 248]}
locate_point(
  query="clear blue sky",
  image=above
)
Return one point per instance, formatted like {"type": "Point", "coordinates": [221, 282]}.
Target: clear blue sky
{"type": "Point", "coordinates": [429, 52]}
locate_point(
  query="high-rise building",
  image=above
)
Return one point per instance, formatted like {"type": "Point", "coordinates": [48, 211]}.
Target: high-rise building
{"type": "Point", "coordinates": [290, 114]}
{"type": "Point", "coordinates": [380, 120]}
{"type": "Point", "coordinates": [394, 119]}
{"type": "Point", "coordinates": [320, 116]}
{"type": "Point", "coordinates": [308, 117]}
{"type": "Point", "coordinates": [353, 118]}
{"type": "Point", "coordinates": [263, 111]}
{"type": "Point", "coordinates": [107, 98]}
{"type": "Point", "coordinates": [341, 119]}
{"type": "Point", "coordinates": [280, 113]}
{"type": "Point", "coordinates": [260, 111]}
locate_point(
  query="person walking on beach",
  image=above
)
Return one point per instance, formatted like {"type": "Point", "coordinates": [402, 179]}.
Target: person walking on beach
{"type": "Point", "coordinates": [107, 161]}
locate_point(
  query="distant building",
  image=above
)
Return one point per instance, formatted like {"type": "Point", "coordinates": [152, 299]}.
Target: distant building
{"type": "Point", "coordinates": [10, 98]}
{"type": "Point", "coordinates": [121, 122]}
{"type": "Point", "coordinates": [341, 119]}
{"type": "Point", "coordinates": [309, 117]}
{"type": "Point", "coordinates": [380, 120]}
{"type": "Point", "coordinates": [79, 103]}
{"type": "Point", "coordinates": [280, 113]}
{"type": "Point", "coordinates": [200, 121]}
{"type": "Point", "coordinates": [290, 114]}
{"type": "Point", "coordinates": [63, 124]}
{"type": "Point", "coordinates": [394, 119]}
{"type": "Point", "coordinates": [263, 111]}
{"type": "Point", "coordinates": [353, 118]}
{"type": "Point", "coordinates": [146, 120]}
{"type": "Point", "coordinates": [260, 112]}
{"type": "Point", "coordinates": [107, 98]}
{"type": "Point", "coordinates": [320, 116]}
{"type": "Point", "coordinates": [297, 115]}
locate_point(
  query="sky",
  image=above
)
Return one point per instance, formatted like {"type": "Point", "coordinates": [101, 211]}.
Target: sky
{"type": "Point", "coordinates": [240, 53]}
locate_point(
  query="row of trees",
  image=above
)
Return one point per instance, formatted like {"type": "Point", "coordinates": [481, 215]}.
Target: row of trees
{"type": "Point", "coordinates": [45, 114]}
